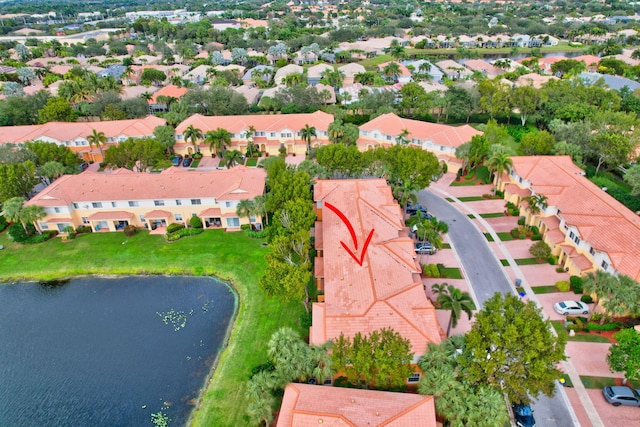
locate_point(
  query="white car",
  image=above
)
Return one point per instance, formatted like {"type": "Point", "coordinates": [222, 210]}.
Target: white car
{"type": "Point", "coordinates": [571, 307]}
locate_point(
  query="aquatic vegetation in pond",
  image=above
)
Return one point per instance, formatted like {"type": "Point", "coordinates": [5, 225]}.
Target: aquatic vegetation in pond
{"type": "Point", "coordinates": [159, 419]}
{"type": "Point", "coordinates": [177, 319]}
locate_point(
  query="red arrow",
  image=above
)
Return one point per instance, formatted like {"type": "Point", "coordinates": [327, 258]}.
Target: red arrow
{"type": "Point", "coordinates": [346, 222]}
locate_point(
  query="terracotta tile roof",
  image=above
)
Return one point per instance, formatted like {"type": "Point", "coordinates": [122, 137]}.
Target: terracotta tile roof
{"type": "Point", "coordinates": [514, 189]}
{"type": "Point", "coordinates": [306, 405]}
{"type": "Point", "coordinates": [229, 184]}
{"type": "Point", "coordinates": [601, 220]}
{"type": "Point", "coordinates": [386, 290]}
{"type": "Point", "coordinates": [588, 59]}
{"type": "Point", "coordinates": [211, 212]}
{"type": "Point", "coordinates": [157, 214]}
{"type": "Point", "coordinates": [483, 67]}
{"type": "Point", "coordinates": [238, 124]}
{"type": "Point", "coordinates": [534, 79]}
{"type": "Point", "coordinates": [404, 71]}
{"type": "Point", "coordinates": [445, 135]}
{"type": "Point", "coordinates": [171, 90]}
{"type": "Point", "coordinates": [112, 215]}
{"type": "Point", "coordinates": [64, 131]}
{"type": "Point", "coordinates": [59, 220]}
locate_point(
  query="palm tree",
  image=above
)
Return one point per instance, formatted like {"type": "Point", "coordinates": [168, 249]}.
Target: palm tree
{"type": "Point", "coordinates": [307, 133]}
{"type": "Point", "coordinates": [391, 70]}
{"type": "Point", "coordinates": [218, 140]}
{"type": "Point", "coordinates": [260, 399]}
{"type": "Point", "coordinates": [537, 203]}
{"type": "Point", "coordinates": [366, 78]}
{"type": "Point", "coordinates": [98, 139]}
{"type": "Point", "coordinates": [403, 137]}
{"type": "Point", "coordinates": [499, 163]}
{"type": "Point", "coordinates": [600, 283]}
{"type": "Point", "coordinates": [249, 134]}
{"type": "Point", "coordinates": [14, 211]}
{"type": "Point", "coordinates": [405, 193]}
{"type": "Point", "coordinates": [260, 207]}
{"type": "Point", "coordinates": [336, 131]}
{"type": "Point", "coordinates": [52, 170]}
{"type": "Point", "coordinates": [333, 78]}
{"type": "Point", "coordinates": [453, 299]}
{"type": "Point", "coordinates": [245, 208]}
{"type": "Point", "coordinates": [193, 134]}
{"type": "Point", "coordinates": [232, 158]}
{"type": "Point", "coordinates": [30, 214]}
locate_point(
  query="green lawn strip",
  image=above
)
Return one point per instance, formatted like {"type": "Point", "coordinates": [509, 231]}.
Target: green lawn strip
{"type": "Point", "coordinates": [464, 183]}
{"type": "Point", "coordinates": [251, 161]}
{"type": "Point", "coordinates": [472, 216]}
{"type": "Point", "coordinates": [567, 380]}
{"type": "Point", "coordinates": [505, 236]}
{"type": "Point", "coordinates": [471, 198]}
{"type": "Point", "coordinates": [489, 237]}
{"type": "Point", "coordinates": [446, 246]}
{"type": "Point", "coordinates": [449, 199]}
{"type": "Point", "coordinates": [492, 215]}
{"type": "Point", "coordinates": [544, 289]}
{"type": "Point", "coordinates": [527, 261]}
{"type": "Point", "coordinates": [597, 382]}
{"type": "Point", "coordinates": [504, 262]}
{"type": "Point", "coordinates": [558, 325]}
{"type": "Point", "coordinates": [195, 163]}
{"type": "Point", "coordinates": [453, 273]}
{"type": "Point", "coordinates": [229, 256]}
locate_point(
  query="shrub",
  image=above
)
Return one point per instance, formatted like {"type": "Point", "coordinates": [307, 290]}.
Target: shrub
{"type": "Point", "coordinates": [17, 232]}
{"type": "Point", "coordinates": [521, 221]}
{"type": "Point", "coordinates": [553, 260]}
{"type": "Point", "coordinates": [576, 284]}
{"type": "Point", "coordinates": [596, 317]}
{"type": "Point", "coordinates": [130, 230]}
{"type": "Point", "coordinates": [587, 300]}
{"type": "Point", "coordinates": [605, 327]}
{"type": "Point", "coordinates": [173, 227]}
{"type": "Point", "coordinates": [578, 322]}
{"type": "Point", "coordinates": [483, 174]}
{"type": "Point", "coordinates": [522, 236]}
{"type": "Point", "coordinates": [256, 234]}
{"type": "Point", "coordinates": [536, 237]}
{"type": "Point", "coordinates": [540, 250]}
{"type": "Point", "coordinates": [431, 270]}
{"type": "Point", "coordinates": [442, 270]}
{"type": "Point", "coordinates": [535, 230]}
{"type": "Point", "coordinates": [3, 223]}
{"type": "Point", "coordinates": [39, 238]}
{"type": "Point", "coordinates": [195, 222]}
{"type": "Point", "coordinates": [171, 237]}
{"type": "Point", "coordinates": [500, 194]}
{"type": "Point", "coordinates": [245, 227]}
{"type": "Point", "coordinates": [563, 286]}
{"type": "Point", "coordinates": [559, 270]}
{"type": "Point", "coordinates": [515, 232]}
{"type": "Point", "coordinates": [282, 152]}
{"type": "Point", "coordinates": [83, 229]}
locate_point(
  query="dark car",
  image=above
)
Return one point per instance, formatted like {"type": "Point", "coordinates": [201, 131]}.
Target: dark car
{"type": "Point", "coordinates": [621, 395]}
{"type": "Point", "coordinates": [176, 160]}
{"type": "Point", "coordinates": [84, 166]}
{"type": "Point", "coordinates": [414, 209]}
{"type": "Point", "coordinates": [187, 162]}
{"type": "Point", "coordinates": [425, 248]}
{"type": "Point", "coordinates": [523, 415]}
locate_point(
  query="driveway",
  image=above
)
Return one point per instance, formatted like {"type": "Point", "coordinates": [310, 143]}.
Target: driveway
{"type": "Point", "coordinates": [486, 277]}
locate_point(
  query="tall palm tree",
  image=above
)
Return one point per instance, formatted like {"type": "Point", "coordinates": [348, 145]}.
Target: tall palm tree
{"type": "Point", "coordinates": [403, 137]}
{"type": "Point", "coordinates": [537, 203]}
{"type": "Point", "coordinates": [453, 299]}
{"type": "Point", "coordinates": [218, 140]}
{"type": "Point", "coordinates": [244, 208]}
{"type": "Point", "coordinates": [30, 214]}
{"type": "Point", "coordinates": [260, 207]}
{"type": "Point", "coordinates": [194, 134]}
{"type": "Point", "coordinates": [405, 193]}
{"type": "Point", "coordinates": [600, 283]}
{"type": "Point", "coordinates": [499, 163]}
{"type": "Point", "coordinates": [307, 133]}
{"type": "Point", "coordinates": [232, 158]}
{"type": "Point", "coordinates": [249, 134]}
{"type": "Point", "coordinates": [98, 139]}
{"type": "Point", "coordinates": [392, 70]}
{"type": "Point", "coordinates": [52, 170]}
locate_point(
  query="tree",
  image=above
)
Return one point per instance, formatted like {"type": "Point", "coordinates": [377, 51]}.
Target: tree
{"type": "Point", "coordinates": [12, 89]}
{"type": "Point", "coordinates": [632, 177]}
{"type": "Point", "coordinates": [151, 75]}
{"type": "Point", "coordinates": [341, 161]}
{"type": "Point", "coordinates": [537, 143]}
{"type": "Point", "coordinates": [25, 75]}
{"type": "Point", "coordinates": [540, 250]}
{"type": "Point", "coordinates": [625, 355]}
{"type": "Point", "coordinates": [618, 295]}
{"type": "Point", "coordinates": [249, 134]}
{"type": "Point", "coordinates": [98, 139]}
{"type": "Point", "coordinates": [499, 163]}
{"type": "Point", "coordinates": [52, 170]}
{"type": "Point", "coordinates": [165, 136]}
{"type": "Point", "coordinates": [415, 100]}
{"type": "Point", "coordinates": [391, 70]}
{"type": "Point", "coordinates": [193, 134]}
{"type": "Point", "coordinates": [527, 100]}
{"type": "Point", "coordinates": [17, 180]}
{"type": "Point", "coordinates": [232, 158]}
{"type": "Point", "coordinates": [510, 347]}
{"type": "Point", "coordinates": [57, 110]}
{"type": "Point", "coordinates": [381, 359]}
{"type": "Point", "coordinates": [14, 211]}
{"type": "Point", "coordinates": [411, 164]}
{"type": "Point", "coordinates": [218, 140]}
{"type": "Point", "coordinates": [458, 103]}
{"type": "Point", "coordinates": [478, 150]}
{"type": "Point", "coordinates": [455, 300]}
{"type": "Point", "coordinates": [494, 97]}
{"type": "Point", "coordinates": [405, 193]}
{"type": "Point", "coordinates": [245, 208]}
{"type": "Point", "coordinates": [307, 133]}
{"type": "Point", "coordinates": [610, 149]}
{"type": "Point", "coordinates": [332, 78]}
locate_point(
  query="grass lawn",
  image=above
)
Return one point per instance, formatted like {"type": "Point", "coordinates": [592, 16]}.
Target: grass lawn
{"type": "Point", "coordinates": [464, 183]}
{"type": "Point", "coordinates": [527, 261]}
{"type": "Point", "coordinates": [597, 382]}
{"type": "Point", "coordinates": [544, 289]}
{"type": "Point", "coordinates": [505, 236]}
{"type": "Point", "coordinates": [489, 237]}
{"type": "Point", "coordinates": [567, 380]}
{"type": "Point", "coordinates": [251, 161]}
{"type": "Point", "coordinates": [449, 199]}
{"type": "Point", "coordinates": [558, 325]}
{"type": "Point", "coordinates": [492, 215]}
{"type": "Point", "coordinates": [371, 64]}
{"type": "Point", "coordinates": [504, 262]}
{"type": "Point", "coordinates": [471, 198]}
{"type": "Point", "coordinates": [446, 246]}
{"type": "Point", "coordinates": [453, 273]}
{"type": "Point", "coordinates": [195, 164]}
{"type": "Point", "coordinates": [229, 256]}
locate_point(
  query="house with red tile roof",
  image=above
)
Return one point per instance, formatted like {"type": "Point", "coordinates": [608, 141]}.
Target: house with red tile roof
{"type": "Point", "coordinates": [271, 131]}
{"type": "Point", "coordinates": [74, 134]}
{"type": "Point", "coordinates": [404, 76]}
{"type": "Point", "coordinates": [441, 140]}
{"type": "Point", "coordinates": [111, 201]}
{"type": "Point", "coordinates": [585, 227]}
{"type": "Point", "coordinates": [483, 67]}
{"type": "Point", "coordinates": [171, 91]}
{"type": "Point", "coordinates": [366, 269]}
{"type": "Point", "coordinates": [306, 405]}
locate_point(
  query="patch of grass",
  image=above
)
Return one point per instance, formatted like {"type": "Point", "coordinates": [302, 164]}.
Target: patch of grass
{"type": "Point", "coordinates": [597, 382]}
{"type": "Point", "coordinates": [492, 215]}
{"type": "Point", "coordinates": [567, 380]}
{"type": "Point", "coordinates": [505, 236]}
{"type": "Point", "coordinates": [504, 262]}
{"type": "Point", "coordinates": [449, 199]}
{"type": "Point", "coordinates": [489, 237]}
{"type": "Point", "coordinates": [453, 273]}
{"type": "Point", "coordinates": [544, 289]}
{"type": "Point", "coordinates": [195, 164]}
{"type": "Point", "coordinates": [229, 256]}
{"type": "Point", "coordinates": [464, 183]}
{"type": "Point", "coordinates": [251, 161]}
{"type": "Point", "coordinates": [558, 325]}
{"type": "Point", "coordinates": [471, 198]}
{"type": "Point", "coordinates": [371, 64]}
{"type": "Point", "coordinates": [472, 216]}
{"type": "Point", "coordinates": [446, 246]}
{"type": "Point", "coordinates": [527, 261]}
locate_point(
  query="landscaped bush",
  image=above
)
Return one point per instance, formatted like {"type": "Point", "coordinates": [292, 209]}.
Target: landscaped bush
{"type": "Point", "coordinates": [536, 237]}
{"type": "Point", "coordinates": [483, 174]}
{"type": "Point", "coordinates": [563, 286]}
{"type": "Point", "coordinates": [83, 229]}
{"type": "Point", "coordinates": [442, 270]}
{"type": "Point", "coordinates": [195, 222]}
{"type": "Point", "coordinates": [173, 227]}
{"type": "Point", "coordinates": [172, 237]}
{"type": "Point", "coordinates": [553, 260]}
{"type": "Point", "coordinates": [596, 317]}
{"type": "Point", "coordinates": [17, 233]}
{"type": "Point", "coordinates": [256, 234]}
{"type": "Point", "coordinates": [605, 327]}
{"type": "Point", "coordinates": [535, 230]}
{"type": "Point", "coordinates": [559, 270]}
{"type": "Point", "coordinates": [245, 227]}
{"type": "Point", "coordinates": [512, 209]}
{"type": "Point", "coordinates": [430, 270]}
{"type": "Point", "coordinates": [576, 284]}
{"type": "Point", "coordinates": [587, 300]}
{"type": "Point", "coordinates": [500, 194]}
{"type": "Point", "coordinates": [3, 223]}
{"type": "Point", "coordinates": [130, 230]}
{"type": "Point", "coordinates": [515, 232]}
{"type": "Point", "coordinates": [521, 221]}
{"type": "Point", "coordinates": [540, 250]}
{"type": "Point", "coordinates": [578, 323]}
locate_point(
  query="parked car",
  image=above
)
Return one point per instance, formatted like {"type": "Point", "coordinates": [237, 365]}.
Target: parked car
{"type": "Point", "coordinates": [621, 395]}
{"type": "Point", "coordinates": [413, 209]}
{"type": "Point", "coordinates": [571, 307]}
{"type": "Point", "coordinates": [176, 160]}
{"type": "Point", "coordinates": [83, 166]}
{"type": "Point", "coordinates": [425, 248]}
{"type": "Point", "coordinates": [187, 162]}
{"type": "Point", "coordinates": [523, 415]}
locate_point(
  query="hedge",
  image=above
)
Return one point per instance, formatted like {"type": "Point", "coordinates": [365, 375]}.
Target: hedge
{"type": "Point", "coordinates": [482, 173]}
{"type": "Point", "coordinates": [173, 227]}
{"type": "Point", "coordinates": [3, 223]}
{"type": "Point", "coordinates": [563, 286]}
{"type": "Point", "coordinates": [605, 327]}
{"type": "Point", "coordinates": [171, 237]}
{"type": "Point", "coordinates": [576, 284]}
{"type": "Point", "coordinates": [195, 222]}
{"type": "Point", "coordinates": [442, 270]}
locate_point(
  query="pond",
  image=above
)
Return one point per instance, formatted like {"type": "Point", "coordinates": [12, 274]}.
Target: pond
{"type": "Point", "coordinates": [108, 352]}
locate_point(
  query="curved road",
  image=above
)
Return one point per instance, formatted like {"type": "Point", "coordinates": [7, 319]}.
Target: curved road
{"type": "Point", "coordinates": [486, 276]}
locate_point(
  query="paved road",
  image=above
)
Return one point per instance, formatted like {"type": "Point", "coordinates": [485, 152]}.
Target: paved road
{"type": "Point", "coordinates": [486, 277]}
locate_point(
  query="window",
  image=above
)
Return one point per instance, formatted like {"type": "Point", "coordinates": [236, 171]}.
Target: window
{"type": "Point", "coordinates": [85, 220]}
{"type": "Point", "coordinates": [252, 219]}
{"type": "Point", "coordinates": [113, 204]}
{"type": "Point", "coordinates": [388, 137]}
{"type": "Point", "coordinates": [179, 137]}
{"type": "Point", "coordinates": [141, 218]}
{"type": "Point", "coordinates": [592, 251]}
{"type": "Point", "coordinates": [196, 201]}
{"type": "Point", "coordinates": [56, 210]}
{"type": "Point", "coordinates": [233, 222]}
{"type": "Point", "coordinates": [227, 204]}
{"type": "Point", "coordinates": [566, 227]}
{"type": "Point", "coordinates": [178, 202]}
{"type": "Point", "coordinates": [158, 202]}
{"type": "Point", "coordinates": [62, 226]}
{"type": "Point", "coordinates": [577, 240]}
{"type": "Point", "coordinates": [44, 226]}
{"type": "Point", "coordinates": [75, 206]}
{"type": "Point", "coordinates": [604, 265]}
{"type": "Point", "coordinates": [272, 134]}
{"type": "Point", "coordinates": [133, 204]}
{"type": "Point", "coordinates": [571, 235]}
{"type": "Point", "coordinates": [178, 217]}
{"type": "Point", "coordinates": [96, 204]}
{"type": "Point", "coordinates": [414, 378]}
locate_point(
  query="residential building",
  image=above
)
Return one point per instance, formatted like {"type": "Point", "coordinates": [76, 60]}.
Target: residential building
{"type": "Point", "coordinates": [483, 67]}
{"type": "Point", "coordinates": [314, 73]}
{"type": "Point", "coordinates": [453, 70]}
{"type": "Point", "coordinates": [403, 76]}
{"type": "Point", "coordinates": [366, 269]}
{"type": "Point", "coordinates": [159, 100]}
{"type": "Point", "coordinates": [585, 227]}
{"type": "Point", "coordinates": [111, 201]}
{"type": "Point", "coordinates": [422, 65]}
{"type": "Point", "coordinates": [350, 70]}
{"type": "Point", "coordinates": [613, 82]}
{"type": "Point", "coordinates": [285, 71]}
{"type": "Point", "coordinates": [441, 140]}
{"type": "Point", "coordinates": [74, 134]}
{"type": "Point", "coordinates": [271, 131]}
{"type": "Point", "coordinates": [533, 79]}
{"type": "Point", "coordinates": [305, 405]}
